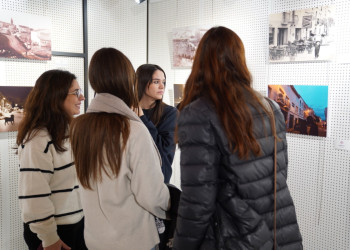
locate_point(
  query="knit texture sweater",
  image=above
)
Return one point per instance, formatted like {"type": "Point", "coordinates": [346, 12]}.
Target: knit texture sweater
{"type": "Point", "coordinates": [119, 211]}
{"type": "Point", "coordinates": [48, 187]}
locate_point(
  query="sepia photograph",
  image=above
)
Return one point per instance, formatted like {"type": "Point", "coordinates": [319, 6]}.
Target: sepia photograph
{"type": "Point", "coordinates": [12, 100]}
{"type": "Point", "coordinates": [178, 93]}
{"type": "Point", "coordinates": [302, 35]}
{"type": "Point", "coordinates": [185, 42]}
{"type": "Point", "coordinates": [25, 36]}
{"type": "Point", "coordinates": [304, 107]}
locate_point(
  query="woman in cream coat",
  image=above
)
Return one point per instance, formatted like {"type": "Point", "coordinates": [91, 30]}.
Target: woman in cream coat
{"type": "Point", "coordinates": [118, 165]}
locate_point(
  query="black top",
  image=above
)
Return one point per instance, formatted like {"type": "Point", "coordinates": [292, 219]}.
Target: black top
{"type": "Point", "coordinates": [227, 202]}
{"type": "Point", "coordinates": [163, 136]}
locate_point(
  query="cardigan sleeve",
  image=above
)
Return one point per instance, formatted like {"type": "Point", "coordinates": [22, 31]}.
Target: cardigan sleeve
{"type": "Point", "coordinates": [36, 170]}
{"type": "Point", "coordinates": [163, 136]}
{"type": "Point", "coordinates": [199, 162]}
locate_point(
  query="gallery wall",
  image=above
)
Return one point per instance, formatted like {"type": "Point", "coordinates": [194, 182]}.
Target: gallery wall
{"type": "Point", "coordinates": [318, 174]}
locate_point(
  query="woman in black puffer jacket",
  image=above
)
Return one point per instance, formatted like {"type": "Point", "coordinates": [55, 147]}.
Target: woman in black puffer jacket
{"type": "Point", "coordinates": [226, 132]}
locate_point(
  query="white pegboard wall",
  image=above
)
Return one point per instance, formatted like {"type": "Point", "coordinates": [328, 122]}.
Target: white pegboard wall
{"type": "Point", "coordinates": [16, 226]}
{"type": "Point", "coordinates": [118, 24]}
{"type": "Point", "coordinates": [66, 20]}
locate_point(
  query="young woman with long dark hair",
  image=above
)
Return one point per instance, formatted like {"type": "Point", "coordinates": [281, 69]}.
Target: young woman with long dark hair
{"type": "Point", "coordinates": [118, 165]}
{"type": "Point", "coordinates": [159, 118]}
{"type": "Point", "coordinates": [48, 185]}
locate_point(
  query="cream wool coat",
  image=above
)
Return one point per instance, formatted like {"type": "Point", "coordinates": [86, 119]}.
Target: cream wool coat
{"type": "Point", "coordinates": [119, 212]}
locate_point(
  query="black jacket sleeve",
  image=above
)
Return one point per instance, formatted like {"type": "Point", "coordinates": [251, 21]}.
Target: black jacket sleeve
{"type": "Point", "coordinates": [163, 136]}
{"type": "Point", "coordinates": [199, 161]}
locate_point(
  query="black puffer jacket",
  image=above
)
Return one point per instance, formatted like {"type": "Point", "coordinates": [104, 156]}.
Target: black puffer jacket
{"type": "Point", "coordinates": [227, 203]}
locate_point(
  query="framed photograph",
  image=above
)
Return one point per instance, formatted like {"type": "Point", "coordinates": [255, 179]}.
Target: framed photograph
{"type": "Point", "coordinates": [304, 107]}
{"type": "Point", "coordinates": [25, 36]}
{"type": "Point", "coordinates": [302, 35]}
{"type": "Point", "coordinates": [185, 42]}
{"type": "Point", "coordinates": [178, 93]}
{"type": "Point", "coordinates": [12, 100]}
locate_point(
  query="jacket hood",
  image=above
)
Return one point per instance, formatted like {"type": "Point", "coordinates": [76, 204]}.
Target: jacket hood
{"type": "Point", "coordinates": [104, 102]}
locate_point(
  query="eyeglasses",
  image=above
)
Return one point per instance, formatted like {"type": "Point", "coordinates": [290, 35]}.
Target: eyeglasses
{"type": "Point", "coordinates": [77, 92]}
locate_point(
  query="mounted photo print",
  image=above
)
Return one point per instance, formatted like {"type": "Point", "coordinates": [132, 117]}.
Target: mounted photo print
{"type": "Point", "coordinates": [185, 42]}
{"type": "Point", "coordinates": [12, 100]}
{"type": "Point", "coordinates": [304, 107]}
{"type": "Point", "coordinates": [178, 93]}
{"type": "Point", "coordinates": [25, 36]}
{"type": "Point", "coordinates": [302, 35]}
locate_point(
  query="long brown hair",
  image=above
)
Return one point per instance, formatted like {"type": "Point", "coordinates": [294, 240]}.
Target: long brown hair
{"type": "Point", "coordinates": [219, 71]}
{"type": "Point", "coordinates": [98, 139]}
{"type": "Point", "coordinates": [44, 108]}
{"type": "Point", "coordinates": [144, 75]}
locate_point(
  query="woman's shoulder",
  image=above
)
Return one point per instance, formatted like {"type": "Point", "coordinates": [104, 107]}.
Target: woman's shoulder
{"type": "Point", "coordinates": [39, 141]}
{"type": "Point", "coordinates": [198, 111]}
{"type": "Point", "coordinates": [39, 135]}
{"type": "Point", "coordinates": [169, 109]}
{"type": "Point", "coordinates": [200, 105]}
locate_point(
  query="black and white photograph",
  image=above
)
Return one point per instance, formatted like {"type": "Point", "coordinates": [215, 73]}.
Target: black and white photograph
{"type": "Point", "coordinates": [185, 42]}
{"type": "Point", "coordinates": [302, 35]}
{"type": "Point", "coordinates": [12, 100]}
{"type": "Point", "coordinates": [25, 36]}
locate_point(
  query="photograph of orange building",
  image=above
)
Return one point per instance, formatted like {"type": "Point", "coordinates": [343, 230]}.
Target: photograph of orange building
{"type": "Point", "coordinates": [304, 107]}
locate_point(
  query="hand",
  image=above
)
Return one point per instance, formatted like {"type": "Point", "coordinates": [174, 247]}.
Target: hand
{"type": "Point", "coordinates": [57, 246]}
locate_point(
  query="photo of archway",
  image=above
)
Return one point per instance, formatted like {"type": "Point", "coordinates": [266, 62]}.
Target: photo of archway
{"type": "Point", "coordinates": [12, 100]}
{"type": "Point", "coordinates": [302, 35]}
{"type": "Point", "coordinates": [304, 107]}
{"type": "Point", "coordinates": [25, 36]}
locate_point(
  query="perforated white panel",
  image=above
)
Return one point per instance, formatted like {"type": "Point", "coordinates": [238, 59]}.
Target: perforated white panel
{"type": "Point", "coordinates": [118, 24]}
{"type": "Point", "coordinates": [66, 19]}
{"type": "Point", "coordinates": [318, 174]}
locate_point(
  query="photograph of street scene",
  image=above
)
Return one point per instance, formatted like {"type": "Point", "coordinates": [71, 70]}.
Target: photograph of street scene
{"type": "Point", "coordinates": [12, 100]}
{"type": "Point", "coordinates": [25, 36]}
{"type": "Point", "coordinates": [304, 107]}
{"type": "Point", "coordinates": [185, 42]}
{"type": "Point", "coordinates": [302, 35]}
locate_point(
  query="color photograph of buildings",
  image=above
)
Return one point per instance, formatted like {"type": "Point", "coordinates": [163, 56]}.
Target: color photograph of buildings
{"type": "Point", "coordinates": [304, 107]}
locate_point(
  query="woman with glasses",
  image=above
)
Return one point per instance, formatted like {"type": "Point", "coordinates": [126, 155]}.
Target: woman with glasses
{"type": "Point", "coordinates": [118, 165]}
{"type": "Point", "coordinates": [48, 186]}
{"type": "Point", "coordinates": [159, 118]}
